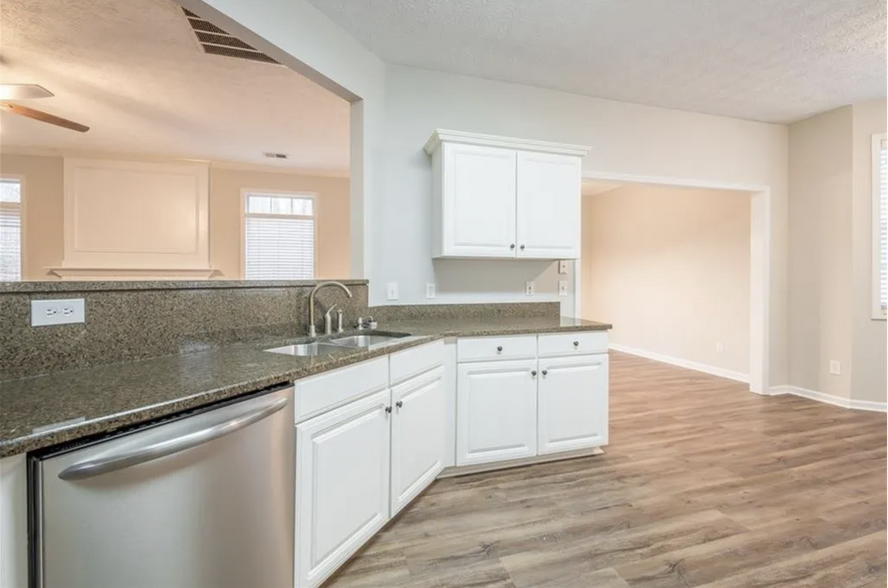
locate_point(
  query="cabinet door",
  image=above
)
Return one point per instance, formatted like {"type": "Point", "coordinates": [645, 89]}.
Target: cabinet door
{"type": "Point", "coordinates": [548, 206]}
{"type": "Point", "coordinates": [478, 201]}
{"type": "Point", "coordinates": [496, 411]}
{"type": "Point", "coordinates": [342, 485]}
{"type": "Point", "coordinates": [417, 436]}
{"type": "Point", "coordinates": [573, 403]}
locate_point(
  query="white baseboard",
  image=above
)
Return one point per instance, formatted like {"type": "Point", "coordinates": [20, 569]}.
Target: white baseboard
{"type": "Point", "coordinates": [691, 365]}
{"type": "Point", "coordinates": [830, 399]}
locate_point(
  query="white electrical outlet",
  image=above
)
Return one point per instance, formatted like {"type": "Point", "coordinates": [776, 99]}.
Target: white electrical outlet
{"type": "Point", "coordinates": [57, 312]}
{"type": "Point", "coordinates": [562, 287]}
{"type": "Point", "coordinates": [391, 291]}
{"type": "Point", "coordinates": [719, 347]}
{"type": "Point", "coordinates": [835, 367]}
{"type": "Point", "coordinates": [562, 266]}
{"type": "Point", "coordinates": [528, 288]}
{"type": "Point", "coordinates": [430, 290]}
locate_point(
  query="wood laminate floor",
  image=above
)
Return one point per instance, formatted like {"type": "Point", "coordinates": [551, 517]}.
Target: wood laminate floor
{"type": "Point", "coordinates": [703, 484]}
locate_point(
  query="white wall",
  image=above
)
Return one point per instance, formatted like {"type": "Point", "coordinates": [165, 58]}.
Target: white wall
{"type": "Point", "coordinates": [670, 268]}
{"type": "Point", "coordinates": [401, 106]}
{"type": "Point", "coordinates": [820, 251]}
{"type": "Point", "coordinates": [868, 380]}
{"type": "Point", "coordinates": [625, 139]}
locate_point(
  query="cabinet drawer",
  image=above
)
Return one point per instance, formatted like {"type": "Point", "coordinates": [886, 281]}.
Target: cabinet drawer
{"type": "Point", "coordinates": [494, 348]}
{"type": "Point", "coordinates": [322, 392]}
{"type": "Point", "coordinates": [577, 343]}
{"type": "Point", "coordinates": [414, 361]}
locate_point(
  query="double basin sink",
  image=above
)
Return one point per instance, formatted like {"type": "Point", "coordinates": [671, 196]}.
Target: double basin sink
{"type": "Point", "coordinates": [312, 348]}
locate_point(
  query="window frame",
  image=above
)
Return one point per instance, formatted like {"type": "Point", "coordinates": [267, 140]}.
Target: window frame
{"type": "Point", "coordinates": [878, 313]}
{"type": "Point", "coordinates": [313, 196]}
{"type": "Point", "coordinates": [22, 216]}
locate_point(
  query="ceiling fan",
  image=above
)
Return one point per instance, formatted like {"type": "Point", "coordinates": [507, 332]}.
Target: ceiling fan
{"type": "Point", "coordinates": [18, 92]}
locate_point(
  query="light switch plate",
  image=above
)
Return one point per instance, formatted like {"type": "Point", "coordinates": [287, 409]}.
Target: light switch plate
{"type": "Point", "coordinates": [835, 367]}
{"type": "Point", "coordinates": [528, 288]}
{"type": "Point", "coordinates": [562, 287]}
{"type": "Point", "coordinates": [57, 312]}
{"type": "Point", "coordinates": [391, 291]}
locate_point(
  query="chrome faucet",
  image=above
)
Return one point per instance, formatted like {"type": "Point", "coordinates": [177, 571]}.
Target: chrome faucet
{"type": "Point", "coordinates": [312, 330]}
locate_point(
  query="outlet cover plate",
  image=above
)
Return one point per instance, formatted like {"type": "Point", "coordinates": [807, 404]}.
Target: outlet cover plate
{"type": "Point", "coordinates": [835, 367]}
{"type": "Point", "coordinates": [57, 312]}
{"type": "Point", "coordinates": [562, 266]}
{"type": "Point", "coordinates": [430, 290]}
{"type": "Point", "coordinates": [528, 288]}
{"type": "Point", "coordinates": [562, 287]}
{"type": "Point", "coordinates": [391, 291]}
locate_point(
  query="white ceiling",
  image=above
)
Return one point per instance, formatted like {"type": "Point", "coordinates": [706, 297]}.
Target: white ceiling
{"type": "Point", "coordinates": [132, 70]}
{"type": "Point", "coordinates": [766, 60]}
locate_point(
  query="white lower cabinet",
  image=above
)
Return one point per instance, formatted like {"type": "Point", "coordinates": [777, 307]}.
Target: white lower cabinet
{"type": "Point", "coordinates": [418, 435]}
{"type": "Point", "coordinates": [496, 411]}
{"type": "Point", "coordinates": [573, 403]}
{"type": "Point", "coordinates": [342, 484]}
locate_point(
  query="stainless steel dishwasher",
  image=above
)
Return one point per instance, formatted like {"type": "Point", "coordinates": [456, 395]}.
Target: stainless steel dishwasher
{"type": "Point", "coordinates": [203, 500]}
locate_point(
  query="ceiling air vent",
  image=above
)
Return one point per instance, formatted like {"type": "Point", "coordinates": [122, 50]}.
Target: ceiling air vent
{"type": "Point", "coordinates": [215, 41]}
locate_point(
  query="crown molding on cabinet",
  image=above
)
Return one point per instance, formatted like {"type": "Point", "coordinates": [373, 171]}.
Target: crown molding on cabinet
{"type": "Point", "coordinates": [443, 135]}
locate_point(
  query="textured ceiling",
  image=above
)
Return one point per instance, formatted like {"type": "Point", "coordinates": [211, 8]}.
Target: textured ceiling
{"type": "Point", "coordinates": [767, 60]}
{"type": "Point", "coordinates": [133, 71]}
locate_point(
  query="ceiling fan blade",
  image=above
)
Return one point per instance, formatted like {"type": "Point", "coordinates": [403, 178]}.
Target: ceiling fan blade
{"type": "Point", "coordinates": [44, 117]}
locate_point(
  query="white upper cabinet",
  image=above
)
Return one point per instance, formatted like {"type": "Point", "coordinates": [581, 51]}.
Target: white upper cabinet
{"type": "Point", "coordinates": [548, 211]}
{"type": "Point", "coordinates": [480, 187]}
{"type": "Point", "coordinates": [504, 198]}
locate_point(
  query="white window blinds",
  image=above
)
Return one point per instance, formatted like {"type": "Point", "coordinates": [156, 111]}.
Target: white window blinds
{"type": "Point", "coordinates": [279, 236]}
{"type": "Point", "coordinates": [10, 230]}
{"type": "Point", "coordinates": [880, 227]}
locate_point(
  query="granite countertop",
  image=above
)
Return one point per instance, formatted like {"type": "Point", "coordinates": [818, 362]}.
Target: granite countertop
{"type": "Point", "coordinates": [46, 410]}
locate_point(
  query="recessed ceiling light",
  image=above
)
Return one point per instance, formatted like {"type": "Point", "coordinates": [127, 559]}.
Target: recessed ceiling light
{"type": "Point", "coordinates": [23, 92]}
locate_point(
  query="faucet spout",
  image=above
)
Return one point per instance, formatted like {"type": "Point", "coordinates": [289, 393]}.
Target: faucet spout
{"type": "Point", "coordinates": [312, 329]}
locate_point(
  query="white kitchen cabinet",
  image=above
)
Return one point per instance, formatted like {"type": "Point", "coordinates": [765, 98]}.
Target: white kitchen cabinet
{"type": "Point", "coordinates": [548, 206]}
{"type": "Point", "coordinates": [573, 403]}
{"type": "Point", "coordinates": [13, 522]}
{"type": "Point", "coordinates": [496, 411]}
{"type": "Point", "coordinates": [478, 188]}
{"type": "Point", "coordinates": [417, 436]}
{"type": "Point", "coordinates": [498, 197]}
{"type": "Point", "coordinates": [342, 484]}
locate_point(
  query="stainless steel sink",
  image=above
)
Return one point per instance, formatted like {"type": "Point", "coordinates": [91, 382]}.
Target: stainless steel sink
{"type": "Point", "coordinates": [307, 349]}
{"type": "Point", "coordinates": [368, 340]}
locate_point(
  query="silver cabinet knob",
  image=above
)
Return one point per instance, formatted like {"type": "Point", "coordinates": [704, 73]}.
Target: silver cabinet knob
{"type": "Point", "coordinates": [545, 372]}
{"type": "Point", "coordinates": [512, 246]}
{"type": "Point", "coordinates": [499, 349]}
{"type": "Point", "coordinates": [522, 247]}
{"type": "Point", "coordinates": [533, 373]}
{"type": "Point", "coordinates": [399, 404]}
{"type": "Point", "coordinates": [576, 343]}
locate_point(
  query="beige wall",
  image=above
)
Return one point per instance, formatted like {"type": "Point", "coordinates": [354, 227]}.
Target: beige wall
{"type": "Point", "coordinates": [43, 232]}
{"type": "Point", "coordinates": [226, 217]}
{"type": "Point", "coordinates": [43, 211]}
{"type": "Point", "coordinates": [868, 380]}
{"type": "Point", "coordinates": [669, 267]}
{"type": "Point", "coordinates": [830, 270]}
{"type": "Point", "coordinates": [820, 251]}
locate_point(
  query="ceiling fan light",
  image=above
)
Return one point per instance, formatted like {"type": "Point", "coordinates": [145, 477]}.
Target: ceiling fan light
{"type": "Point", "coordinates": [23, 92]}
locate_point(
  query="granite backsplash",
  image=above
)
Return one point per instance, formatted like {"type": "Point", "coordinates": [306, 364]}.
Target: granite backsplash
{"type": "Point", "coordinates": [128, 321]}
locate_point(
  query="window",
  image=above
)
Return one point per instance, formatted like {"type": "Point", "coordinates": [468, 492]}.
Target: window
{"type": "Point", "coordinates": [880, 227]}
{"type": "Point", "coordinates": [279, 236]}
{"type": "Point", "coordinates": [10, 230]}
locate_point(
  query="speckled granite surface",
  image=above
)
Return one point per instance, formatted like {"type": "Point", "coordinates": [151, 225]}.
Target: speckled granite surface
{"type": "Point", "coordinates": [142, 322]}
{"type": "Point", "coordinates": [106, 398]}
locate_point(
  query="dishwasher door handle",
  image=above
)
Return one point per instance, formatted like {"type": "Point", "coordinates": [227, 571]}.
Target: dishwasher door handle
{"type": "Point", "coordinates": [158, 449]}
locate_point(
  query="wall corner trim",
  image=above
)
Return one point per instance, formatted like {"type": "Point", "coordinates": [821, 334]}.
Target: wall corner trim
{"type": "Point", "coordinates": [677, 361]}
